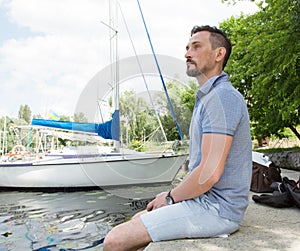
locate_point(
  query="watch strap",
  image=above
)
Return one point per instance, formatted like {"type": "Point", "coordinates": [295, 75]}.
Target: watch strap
{"type": "Point", "coordinates": [170, 197]}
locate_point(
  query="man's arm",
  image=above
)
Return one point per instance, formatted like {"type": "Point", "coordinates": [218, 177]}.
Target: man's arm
{"type": "Point", "coordinates": [215, 149]}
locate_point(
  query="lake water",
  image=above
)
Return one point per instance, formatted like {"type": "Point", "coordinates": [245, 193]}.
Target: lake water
{"type": "Point", "coordinates": [66, 220]}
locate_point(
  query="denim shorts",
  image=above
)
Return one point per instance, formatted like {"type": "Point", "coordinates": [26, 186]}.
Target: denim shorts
{"type": "Point", "coordinates": [197, 218]}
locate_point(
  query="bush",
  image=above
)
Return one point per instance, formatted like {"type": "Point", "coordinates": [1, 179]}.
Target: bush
{"type": "Point", "coordinates": [136, 145]}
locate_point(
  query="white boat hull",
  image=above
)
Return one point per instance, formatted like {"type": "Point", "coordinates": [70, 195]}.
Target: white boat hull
{"type": "Point", "coordinates": [91, 172]}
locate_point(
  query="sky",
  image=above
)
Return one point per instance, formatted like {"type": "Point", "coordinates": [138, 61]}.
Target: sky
{"type": "Point", "coordinates": [51, 49]}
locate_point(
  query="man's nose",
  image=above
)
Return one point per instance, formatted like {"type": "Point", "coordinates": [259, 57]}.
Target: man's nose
{"type": "Point", "coordinates": [187, 54]}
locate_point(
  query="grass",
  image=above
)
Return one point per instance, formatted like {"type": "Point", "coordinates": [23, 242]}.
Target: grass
{"type": "Point", "coordinates": [279, 150]}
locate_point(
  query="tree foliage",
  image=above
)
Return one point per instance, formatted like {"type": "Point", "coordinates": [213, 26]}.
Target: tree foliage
{"type": "Point", "coordinates": [25, 113]}
{"type": "Point", "coordinates": [139, 117]}
{"type": "Point", "coordinates": [264, 64]}
{"type": "Point", "coordinates": [189, 95]}
{"type": "Point", "coordinates": [136, 116]}
{"type": "Point", "coordinates": [78, 117]}
{"type": "Point", "coordinates": [8, 134]}
{"type": "Point", "coordinates": [182, 98]}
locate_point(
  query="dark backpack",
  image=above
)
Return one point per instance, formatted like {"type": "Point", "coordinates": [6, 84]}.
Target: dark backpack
{"type": "Point", "coordinates": [285, 194]}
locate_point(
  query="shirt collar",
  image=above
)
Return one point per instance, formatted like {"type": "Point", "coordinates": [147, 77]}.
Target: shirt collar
{"type": "Point", "coordinates": [209, 84]}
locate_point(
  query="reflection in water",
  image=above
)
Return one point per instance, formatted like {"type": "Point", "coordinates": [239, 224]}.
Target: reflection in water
{"type": "Point", "coordinates": [61, 221]}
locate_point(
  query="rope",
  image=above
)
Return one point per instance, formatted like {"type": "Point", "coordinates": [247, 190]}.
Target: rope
{"type": "Point", "coordinates": [143, 76]}
{"type": "Point", "coordinates": [160, 74]}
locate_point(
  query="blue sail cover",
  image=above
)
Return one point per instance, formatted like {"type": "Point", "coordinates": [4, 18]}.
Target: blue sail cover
{"type": "Point", "coordinates": [106, 130]}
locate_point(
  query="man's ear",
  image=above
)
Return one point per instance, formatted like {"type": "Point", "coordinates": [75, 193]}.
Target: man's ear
{"type": "Point", "coordinates": [221, 51]}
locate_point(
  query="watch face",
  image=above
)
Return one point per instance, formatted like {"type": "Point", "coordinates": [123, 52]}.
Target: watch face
{"type": "Point", "coordinates": [169, 200]}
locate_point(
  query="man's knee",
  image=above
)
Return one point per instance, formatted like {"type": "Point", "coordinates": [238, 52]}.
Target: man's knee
{"type": "Point", "coordinates": [126, 236]}
{"type": "Point", "coordinates": [110, 241]}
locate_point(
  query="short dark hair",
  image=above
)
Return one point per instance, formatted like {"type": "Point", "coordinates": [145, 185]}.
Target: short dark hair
{"type": "Point", "coordinates": [217, 39]}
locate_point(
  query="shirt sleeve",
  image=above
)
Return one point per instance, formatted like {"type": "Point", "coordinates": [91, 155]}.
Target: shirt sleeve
{"type": "Point", "coordinates": [222, 112]}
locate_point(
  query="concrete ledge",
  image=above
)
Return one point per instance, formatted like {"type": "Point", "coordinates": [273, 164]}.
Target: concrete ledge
{"type": "Point", "coordinates": [263, 229]}
{"type": "Point", "coordinates": [288, 160]}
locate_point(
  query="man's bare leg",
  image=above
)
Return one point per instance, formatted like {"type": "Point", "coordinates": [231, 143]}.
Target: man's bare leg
{"type": "Point", "coordinates": [131, 235]}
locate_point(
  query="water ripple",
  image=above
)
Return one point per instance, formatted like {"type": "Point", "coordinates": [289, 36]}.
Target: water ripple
{"type": "Point", "coordinates": [60, 221]}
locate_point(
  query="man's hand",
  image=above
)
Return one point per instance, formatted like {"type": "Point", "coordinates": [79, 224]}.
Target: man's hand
{"type": "Point", "coordinates": [159, 201]}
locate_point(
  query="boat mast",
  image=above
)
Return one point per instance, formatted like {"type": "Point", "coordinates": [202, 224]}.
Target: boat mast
{"type": "Point", "coordinates": [4, 145]}
{"type": "Point", "coordinates": [114, 58]}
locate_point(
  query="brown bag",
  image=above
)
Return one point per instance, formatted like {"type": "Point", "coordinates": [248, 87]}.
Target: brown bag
{"type": "Point", "coordinates": [263, 177]}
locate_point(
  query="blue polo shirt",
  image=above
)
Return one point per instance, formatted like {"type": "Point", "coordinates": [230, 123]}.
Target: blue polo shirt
{"type": "Point", "coordinates": [221, 109]}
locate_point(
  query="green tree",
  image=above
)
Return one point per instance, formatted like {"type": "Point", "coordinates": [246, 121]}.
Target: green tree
{"type": "Point", "coordinates": [189, 95]}
{"type": "Point", "coordinates": [137, 117]}
{"type": "Point", "coordinates": [179, 95]}
{"type": "Point", "coordinates": [265, 62]}
{"type": "Point", "coordinates": [25, 113]}
{"type": "Point", "coordinates": [11, 137]}
{"type": "Point", "coordinates": [64, 118]}
{"type": "Point", "coordinates": [79, 117]}
{"type": "Point", "coordinates": [37, 116]}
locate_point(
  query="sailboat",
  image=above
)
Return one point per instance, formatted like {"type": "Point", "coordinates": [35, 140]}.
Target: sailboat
{"type": "Point", "coordinates": [90, 171]}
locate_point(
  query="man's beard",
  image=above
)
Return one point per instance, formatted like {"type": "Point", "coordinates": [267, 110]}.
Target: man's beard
{"type": "Point", "coordinates": [193, 72]}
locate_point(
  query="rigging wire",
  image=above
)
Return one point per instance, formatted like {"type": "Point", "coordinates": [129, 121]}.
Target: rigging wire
{"type": "Point", "coordinates": [142, 73]}
{"type": "Point", "coordinates": [160, 74]}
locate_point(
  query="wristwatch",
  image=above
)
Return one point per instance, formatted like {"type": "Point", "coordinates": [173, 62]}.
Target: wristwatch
{"type": "Point", "coordinates": [170, 199]}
